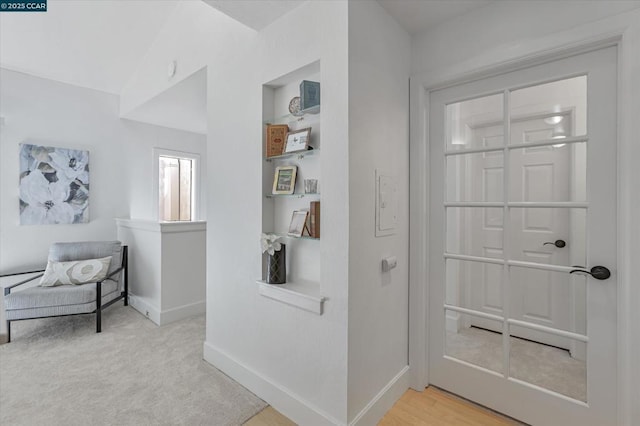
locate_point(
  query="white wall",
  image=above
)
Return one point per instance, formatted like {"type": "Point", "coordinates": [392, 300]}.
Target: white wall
{"type": "Point", "coordinates": [506, 31]}
{"type": "Point", "coordinates": [167, 267]}
{"type": "Point", "coordinates": [379, 60]}
{"type": "Point", "coordinates": [300, 362]}
{"type": "Point", "coordinates": [295, 360]}
{"type": "Point", "coordinates": [194, 36]}
{"type": "Point", "coordinates": [138, 141]}
{"type": "Point", "coordinates": [502, 27]}
{"type": "Point", "coordinates": [57, 114]}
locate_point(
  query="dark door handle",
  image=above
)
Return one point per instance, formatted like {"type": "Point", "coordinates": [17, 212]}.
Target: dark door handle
{"type": "Point", "coordinates": [597, 272]}
{"type": "Point", "coordinates": [557, 243]}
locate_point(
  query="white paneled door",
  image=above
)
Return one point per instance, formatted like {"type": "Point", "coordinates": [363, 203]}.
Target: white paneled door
{"type": "Point", "coordinates": [522, 283]}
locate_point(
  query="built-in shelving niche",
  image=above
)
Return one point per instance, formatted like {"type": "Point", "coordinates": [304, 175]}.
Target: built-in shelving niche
{"type": "Point", "coordinates": [303, 286]}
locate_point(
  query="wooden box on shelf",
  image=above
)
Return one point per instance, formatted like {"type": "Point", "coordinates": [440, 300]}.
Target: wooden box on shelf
{"type": "Point", "coordinates": [276, 137]}
{"type": "Point", "coordinates": [314, 219]}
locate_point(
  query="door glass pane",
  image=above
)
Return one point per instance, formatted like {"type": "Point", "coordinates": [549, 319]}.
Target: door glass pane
{"type": "Point", "coordinates": [536, 231]}
{"type": "Point", "coordinates": [476, 123]}
{"type": "Point", "coordinates": [475, 177]}
{"type": "Point", "coordinates": [473, 339]}
{"type": "Point", "coordinates": [475, 231]}
{"type": "Point", "coordinates": [554, 110]}
{"type": "Point", "coordinates": [552, 299]}
{"type": "Point", "coordinates": [549, 173]}
{"type": "Point", "coordinates": [560, 370]}
{"type": "Point", "coordinates": [475, 285]}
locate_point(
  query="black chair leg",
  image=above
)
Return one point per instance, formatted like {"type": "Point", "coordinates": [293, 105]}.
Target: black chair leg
{"type": "Point", "coordinates": [125, 262]}
{"type": "Point", "coordinates": [8, 331]}
{"type": "Point", "coordinates": [98, 307]}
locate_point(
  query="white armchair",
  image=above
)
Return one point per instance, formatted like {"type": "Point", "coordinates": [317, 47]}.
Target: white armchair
{"type": "Point", "coordinates": [61, 300]}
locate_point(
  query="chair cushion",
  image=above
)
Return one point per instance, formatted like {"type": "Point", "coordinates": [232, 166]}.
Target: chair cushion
{"type": "Point", "coordinates": [40, 297]}
{"type": "Point", "coordinates": [75, 272]}
{"type": "Point", "coordinates": [51, 311]}
{"type": "Point", "coordinates": [64, 252]}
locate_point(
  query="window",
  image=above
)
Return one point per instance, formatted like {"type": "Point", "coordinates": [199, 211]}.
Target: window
{"type": "Point", "coordinates": [176, 185]}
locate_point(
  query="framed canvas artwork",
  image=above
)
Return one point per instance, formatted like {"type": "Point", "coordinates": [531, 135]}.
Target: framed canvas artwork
{"type": "Point", "coordinates": [54, 185]}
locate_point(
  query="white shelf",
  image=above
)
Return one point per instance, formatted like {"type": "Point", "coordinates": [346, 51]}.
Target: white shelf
{"type": "Point", "coordinates": [299, 155]}
{"type": "Point", "coordinates": [293, 237]}
{"type": "Point", "coordinates": [293, 294]}
{"type": "Point", "coordinates": [294, 195]}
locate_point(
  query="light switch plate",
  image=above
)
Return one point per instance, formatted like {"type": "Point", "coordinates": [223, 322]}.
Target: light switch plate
{"type": "Point", "coordinates": [386, 203]}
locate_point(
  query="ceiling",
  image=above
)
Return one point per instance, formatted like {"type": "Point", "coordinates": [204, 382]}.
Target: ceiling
{"type": "Point", "coordinates": [255, 14]}
{"type": "Point", "coordinates": [417, 16]}
{"type": "Point", "coordinates": [183, 106]}
{"type": "Point", "coordinates": [115, 34]}
{"type": "Point", "coordinates": [94, 44]}
{"type": "Point", "coordinates": [98, 44]}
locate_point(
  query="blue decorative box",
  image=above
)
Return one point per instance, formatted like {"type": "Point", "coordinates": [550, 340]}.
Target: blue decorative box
{"type": "Point", "coordinates": [309, 96]}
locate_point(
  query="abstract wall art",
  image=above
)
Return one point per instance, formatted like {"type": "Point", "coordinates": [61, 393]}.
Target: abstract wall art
{"type": "Point", "coordinates": [54, 185]}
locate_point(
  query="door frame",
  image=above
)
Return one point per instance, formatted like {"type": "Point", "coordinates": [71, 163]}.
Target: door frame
{"type": "Point", "coordinates": [621, 31]}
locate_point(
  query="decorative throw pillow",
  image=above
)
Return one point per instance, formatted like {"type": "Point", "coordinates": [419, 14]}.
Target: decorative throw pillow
{"type": "Point", "coordinates": [75, 272]}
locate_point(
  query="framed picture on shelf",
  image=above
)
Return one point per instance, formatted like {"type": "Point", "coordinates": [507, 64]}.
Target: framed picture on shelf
{"type": "Point", "coordinates": [276, 134]}
{"type": "Point", "coordinates": [298, 223]}
{"type": "Point", "coordinates": [297, 140]}
{"type": "Point", "coordinates": [284, 180]}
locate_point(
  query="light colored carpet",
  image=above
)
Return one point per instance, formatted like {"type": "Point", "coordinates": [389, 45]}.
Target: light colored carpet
{"type": "Point", "coordinates": [58, 371]}
{"type": "Point", "coordinates": [532, 362]}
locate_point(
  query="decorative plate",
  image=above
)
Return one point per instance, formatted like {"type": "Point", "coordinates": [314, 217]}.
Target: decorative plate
{"type": "Point", "coordinates": [294, 107]}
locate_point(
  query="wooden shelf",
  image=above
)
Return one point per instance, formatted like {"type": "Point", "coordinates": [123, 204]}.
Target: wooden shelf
{"type": "Point", "coordinates": [295, 294]}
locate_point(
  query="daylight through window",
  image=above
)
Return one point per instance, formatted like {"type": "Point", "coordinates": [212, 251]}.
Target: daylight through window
{"type": "Point", "coordinates": [176, 195]}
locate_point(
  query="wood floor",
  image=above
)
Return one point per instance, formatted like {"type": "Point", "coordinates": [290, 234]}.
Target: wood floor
{"type": "Point", "coordinates": [432, 407]}
{"type": "Point", "coordinates": [269, 417]}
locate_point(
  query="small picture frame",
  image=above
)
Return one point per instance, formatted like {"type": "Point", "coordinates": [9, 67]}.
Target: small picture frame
{"type": "Point", "coordinates": [275, 138]}
{"type": "Point", "coordinates": [284, 180]}
{"type": "Point", "coordinates": [298, 223]}
{"type": "Point", "coordinates": [297, 140]}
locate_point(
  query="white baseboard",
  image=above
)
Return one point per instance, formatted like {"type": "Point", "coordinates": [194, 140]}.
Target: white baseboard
{"type": "Point", "coordinates": [284, 400]}
{"type": "Point", "coordinates": [145, 308]}
{"type": "Point", "coordinates": [384, 400]}
{"type": "Point", "coordinates": [152, 312]}
{"type": "Point", "coordinates": [182, 312]}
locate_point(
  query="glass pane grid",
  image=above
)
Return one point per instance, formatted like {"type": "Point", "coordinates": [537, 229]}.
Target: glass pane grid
{"type": "Point", "coordinates": [530, 144]}
{"type": "Point", "coordinates": [536, 176]}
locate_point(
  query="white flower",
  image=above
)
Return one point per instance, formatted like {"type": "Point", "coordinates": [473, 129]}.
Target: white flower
{"type": "Point", "coordinates": [71, 164]}
{"type": "Point", "coordinates": [46, 202]}
{"type": "Point", "coordinates": [269, 243]}
{"type": "Point", "coordinates": [31, 156]}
